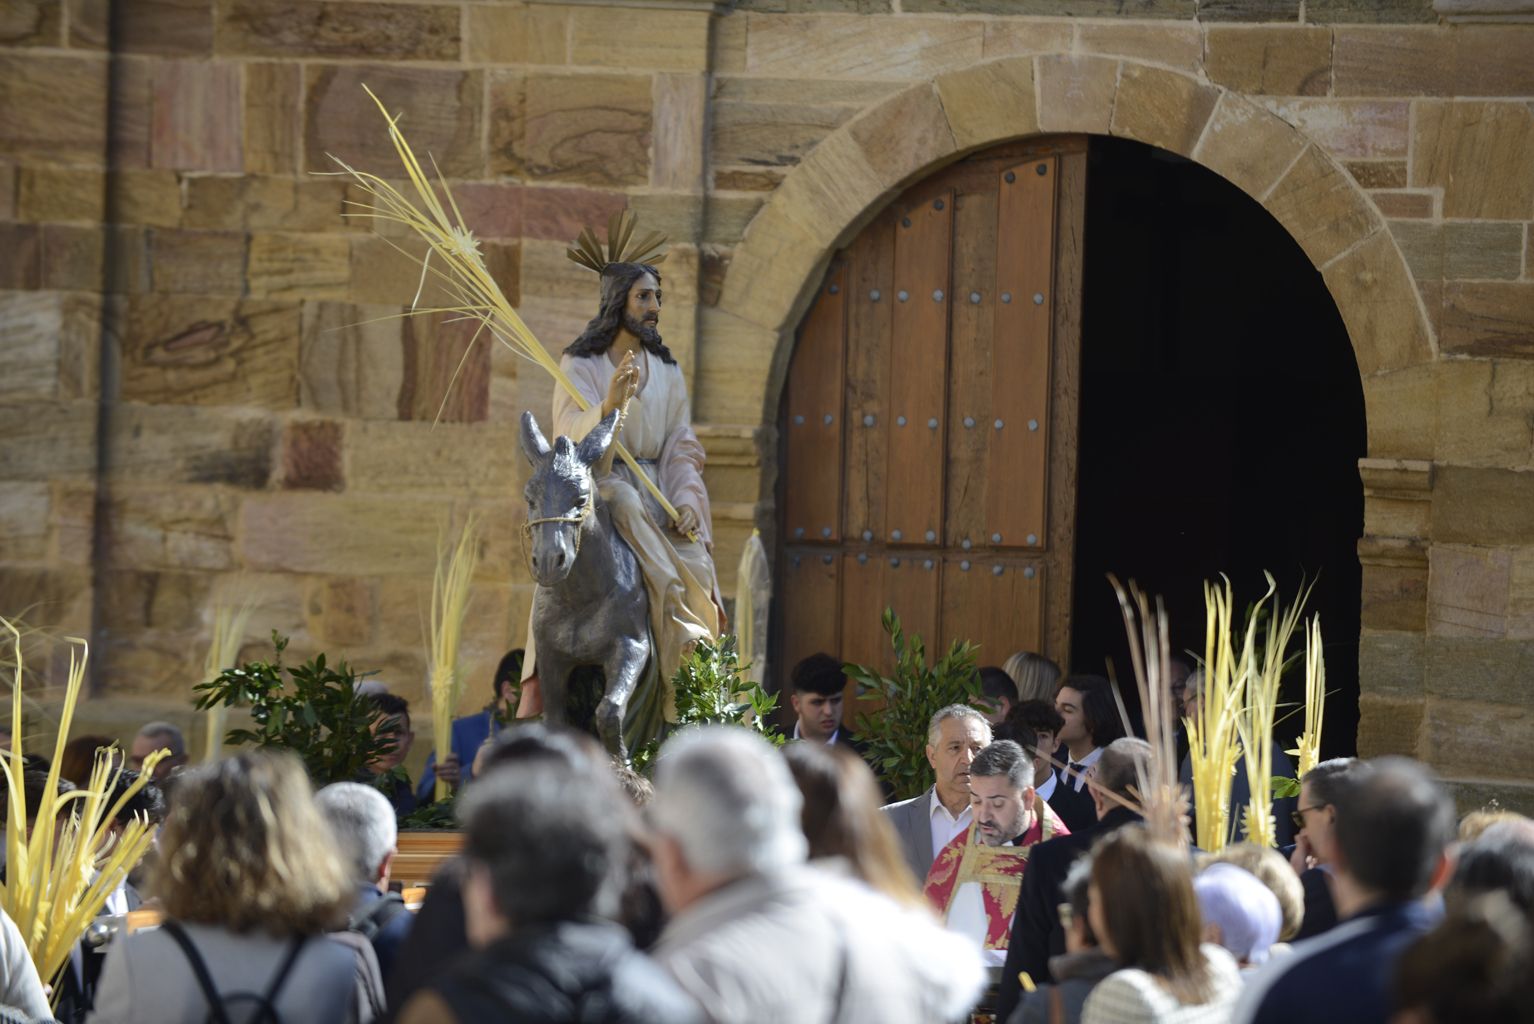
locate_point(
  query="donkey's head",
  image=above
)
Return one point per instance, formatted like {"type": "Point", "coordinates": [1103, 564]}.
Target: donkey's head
{"type": "Point", "coordinates": [561, 494]}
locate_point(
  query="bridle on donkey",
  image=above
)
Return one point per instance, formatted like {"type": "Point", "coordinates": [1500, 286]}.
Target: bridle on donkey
{"type": "Point", "coordinates": [579, 519]}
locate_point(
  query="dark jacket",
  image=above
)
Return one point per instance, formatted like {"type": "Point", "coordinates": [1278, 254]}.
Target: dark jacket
{"type": "Point", "coordinates": [385, 927]}
{"type": "Point", "coordinates": [572, 971]}
{"type": "Point", "coordinates": [1345, 976]}
{"type": "Point", "coordinates": [1076, 974]}
{"type": "Point", "coordinates": [437, 937]}
{"type": "Point", "coordinates": [1075, 808]}
{"type": "Point", "coordinates": [1036, 931]}
{"type": "Point", "coordinates": [1320, 911]}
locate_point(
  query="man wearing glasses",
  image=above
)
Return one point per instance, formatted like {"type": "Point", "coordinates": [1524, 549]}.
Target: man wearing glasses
{"type": "Point", "coordinates": [1315, 843]}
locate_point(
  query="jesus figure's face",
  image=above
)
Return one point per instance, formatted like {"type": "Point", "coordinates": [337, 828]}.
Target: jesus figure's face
{"type": "Point", "coordinates": [641, 313]}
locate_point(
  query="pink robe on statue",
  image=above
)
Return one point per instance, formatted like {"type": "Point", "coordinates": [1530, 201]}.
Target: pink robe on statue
{"type": "Point", "coordinates": [657, 431]}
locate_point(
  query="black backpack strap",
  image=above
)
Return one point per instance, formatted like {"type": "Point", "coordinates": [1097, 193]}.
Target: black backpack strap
{"type": "Point", "coordinates": [268, 1009]}
{"type": "Point", "coordinates": [215, 1000]}
{"type": "Point", "coordinates": [199, 970]}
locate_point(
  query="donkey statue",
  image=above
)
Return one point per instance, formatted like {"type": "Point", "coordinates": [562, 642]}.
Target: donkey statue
{"type": "Point", "coordinates": [590, 606]}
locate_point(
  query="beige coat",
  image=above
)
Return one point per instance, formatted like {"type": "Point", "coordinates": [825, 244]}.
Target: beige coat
{"type": "Point", "coordinates": [807, 946]}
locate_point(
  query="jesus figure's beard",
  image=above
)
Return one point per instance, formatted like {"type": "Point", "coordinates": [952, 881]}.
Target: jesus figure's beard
{"type": "Point", "coordinates": [647, 333]}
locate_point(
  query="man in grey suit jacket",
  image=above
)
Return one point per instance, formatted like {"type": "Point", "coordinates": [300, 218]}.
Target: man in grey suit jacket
{"type": "Point", "coordinates": [926, 823]}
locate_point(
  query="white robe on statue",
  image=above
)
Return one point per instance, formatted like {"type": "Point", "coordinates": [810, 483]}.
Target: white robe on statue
{"type": "Point", "coordinates": [657, 431]}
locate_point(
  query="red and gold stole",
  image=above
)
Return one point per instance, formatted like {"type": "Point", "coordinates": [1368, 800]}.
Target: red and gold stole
{"type": "Point", "coordinates": [997, 869]}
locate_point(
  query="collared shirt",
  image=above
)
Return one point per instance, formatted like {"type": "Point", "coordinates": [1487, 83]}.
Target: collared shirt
{"type": "Point", "coordinates": [117, 901]}
{"type": "Point", "coordinates": [831, 739]}
{"type": "Point", "coordinates": [944, 825]}
{"type": "Point", "coordinates": [1079, 780]}
{"type": "Point", "coordinates": [1046, 789]}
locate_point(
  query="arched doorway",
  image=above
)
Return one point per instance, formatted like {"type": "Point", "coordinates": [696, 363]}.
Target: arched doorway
{"type": "Point", "coordinates": [1222, 415]}
{"type": "Point", "coordinates": [1165, 278]}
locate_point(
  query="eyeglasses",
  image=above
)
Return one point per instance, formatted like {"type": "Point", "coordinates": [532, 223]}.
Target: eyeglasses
{"type": "Point", "coordinates": [1066, 915]}
{"type": "Point", "coordinates": [1298, 816]}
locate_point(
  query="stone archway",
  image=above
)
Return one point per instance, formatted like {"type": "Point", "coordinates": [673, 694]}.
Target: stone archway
{"type": "Point", "coordinates": [852, 173]}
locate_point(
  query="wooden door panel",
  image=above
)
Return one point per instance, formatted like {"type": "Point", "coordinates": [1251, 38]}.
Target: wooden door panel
{"type": "Point", "coordinates": [812, 497]}
{"type": "Point", "coordinates": [909, 585]}
{"type": "Point", "coordinates": [1019, 448]}
{"type": "Point", "coordinates": [918, 374]}
{"type": "Point", "coordinates": [863, 602]}
{"type": "Point", "coordinates": [969, 378]}
{"type": "Point", "coordinates": [912, 581]}
{"type": "Point", "coordinates": [994, 601]}
{"type": "Point", "coordinates": [809, 595]}
{"type": "Point", "coordinates": [928, 332]}
{"type": "Point", "coordinates": [870, 298]}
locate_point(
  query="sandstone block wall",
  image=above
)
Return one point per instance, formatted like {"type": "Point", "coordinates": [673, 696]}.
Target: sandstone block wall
{"type": "Point", "coordinates": [204, 390]}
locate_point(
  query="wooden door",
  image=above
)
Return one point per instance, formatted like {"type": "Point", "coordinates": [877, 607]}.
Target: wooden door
{"type": "Point", "coordinates": [929, 420]}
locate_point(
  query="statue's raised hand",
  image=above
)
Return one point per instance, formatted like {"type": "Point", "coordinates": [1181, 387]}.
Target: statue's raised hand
{"type": "Point", "coordinates": [624, 384]}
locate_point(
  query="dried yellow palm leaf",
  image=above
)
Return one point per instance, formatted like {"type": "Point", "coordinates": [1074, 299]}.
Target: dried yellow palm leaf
{"type": "Point", "coordinates": [1161, 800]}
{"type": "Point", "coordinates": [1213, 746]}
{"type": "Point", "coordinates": [463, 274]}
{"type": "Point", "coordinates": [15, 670]}
{"type": "Point", "coordinates": [1259, 712]}
{"type": "Point", "coordinates": [1308, 751]}
{"type": "Point", "coordinates": [229, 624]}
{"type": "Point", "coordinates": [60, 871]}
{"type": "Point", "coordinates": [449, 603]}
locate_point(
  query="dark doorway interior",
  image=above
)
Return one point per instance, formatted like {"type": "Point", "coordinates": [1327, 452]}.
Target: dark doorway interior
{"type": "Point", "coordinates": [1222, 418]}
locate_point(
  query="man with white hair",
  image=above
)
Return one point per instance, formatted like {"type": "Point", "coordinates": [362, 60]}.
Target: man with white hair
{"type": "Point", "coordinates": [748, 913]}
{"type": "Point", "coordinates": [927, 823]}
{"type": "Point", "coordinates": [1239, 912]}
{"type": "Point", "coordinates": [365, 830]}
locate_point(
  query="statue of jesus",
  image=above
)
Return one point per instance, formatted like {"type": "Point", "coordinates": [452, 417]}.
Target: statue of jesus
{"type": "Point", "coordinates": [619, 358]}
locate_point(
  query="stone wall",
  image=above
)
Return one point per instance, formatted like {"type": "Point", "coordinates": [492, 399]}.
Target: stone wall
{"type": "Point", "coordinates": [202, 392]}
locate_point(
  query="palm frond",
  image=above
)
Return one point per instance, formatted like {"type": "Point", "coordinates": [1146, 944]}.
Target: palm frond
{"type": "Point", "coordinates": [1213, 741]}
{"type": "Point", "coordinates": [449, 604]}
{"type": "Point", "coordinates": [471, 287]}
{"type": "Point", "coordinates": [1162, 802]}
{"type": "Point", "coordinates": [60, 872]}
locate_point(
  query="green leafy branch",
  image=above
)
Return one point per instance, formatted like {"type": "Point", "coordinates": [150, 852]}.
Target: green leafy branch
{"type": "Point", "coordinates": [313, 710]}
{"type": "Point", "coordinates": [895, 738]}
{"type": "Point", "coordinates": [710, 689]}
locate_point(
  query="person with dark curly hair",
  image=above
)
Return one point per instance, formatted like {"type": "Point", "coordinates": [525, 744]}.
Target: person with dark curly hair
{"type": "Point", "coordinates": [1091, 723]}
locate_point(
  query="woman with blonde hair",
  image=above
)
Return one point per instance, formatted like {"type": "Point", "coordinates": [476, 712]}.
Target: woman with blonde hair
{"type": "Point", "coordinates": [250, 879]}
{"type": "Point", "coordinates": [1037, 677]}
{"type": "Point", "coordinates": [841, 819]}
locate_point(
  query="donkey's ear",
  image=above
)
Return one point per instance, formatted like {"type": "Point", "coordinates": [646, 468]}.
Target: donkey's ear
{"type": "Point", "coordinates": [534, 446]}
{"type": "Point", "coordinates": [595, 444]}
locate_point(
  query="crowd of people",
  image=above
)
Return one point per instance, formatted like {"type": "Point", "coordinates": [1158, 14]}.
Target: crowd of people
{"type": "Point", "coordinates": [743, 883]}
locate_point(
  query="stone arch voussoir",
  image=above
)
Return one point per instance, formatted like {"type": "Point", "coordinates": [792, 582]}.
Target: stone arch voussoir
{"type": "Point", "coordinates": [858, 169]}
